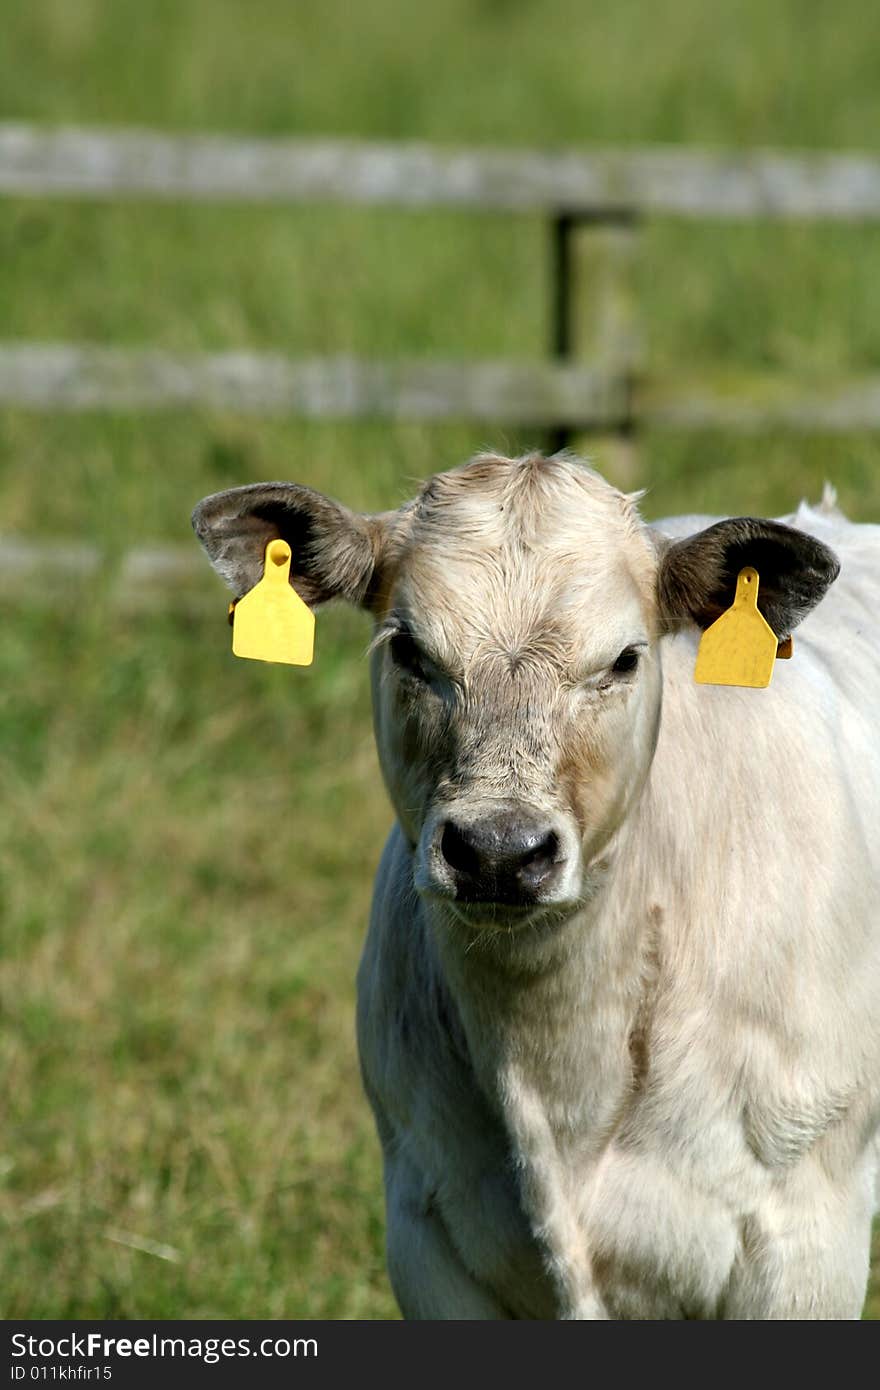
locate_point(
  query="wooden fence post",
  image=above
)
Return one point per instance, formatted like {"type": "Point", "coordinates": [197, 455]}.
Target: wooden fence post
{"type": "Point", "coordinates": [595, 320]}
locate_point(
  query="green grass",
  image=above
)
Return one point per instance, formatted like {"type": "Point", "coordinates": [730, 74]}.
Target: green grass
{"type": "Point", "coordinates": [188, 841]}
{"type": "Point", "coordinates": [794, 72]}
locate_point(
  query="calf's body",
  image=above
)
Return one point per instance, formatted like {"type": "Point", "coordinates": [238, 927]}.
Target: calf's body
{"type": "Point", "coordinates": [637, 1074]}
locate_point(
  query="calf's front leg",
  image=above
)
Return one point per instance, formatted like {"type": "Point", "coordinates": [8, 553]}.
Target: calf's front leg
{"type": "Point", "coordinates": [427, 1274]}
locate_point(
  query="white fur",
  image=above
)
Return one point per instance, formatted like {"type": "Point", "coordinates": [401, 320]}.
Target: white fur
{"type": "Point", "coordinates": [727, 926]}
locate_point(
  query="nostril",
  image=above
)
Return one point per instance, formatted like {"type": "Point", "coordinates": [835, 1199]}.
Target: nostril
{"type": "Point", "coordinates": [539, 861]}
{"type": "Point", "coordinates": [547, 849]}
{"type": "Point", "coordinates": [458, 851]}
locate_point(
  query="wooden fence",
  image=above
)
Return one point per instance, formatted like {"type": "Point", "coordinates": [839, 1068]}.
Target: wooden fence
{"type": "Point", "coordinates": [592, 378]}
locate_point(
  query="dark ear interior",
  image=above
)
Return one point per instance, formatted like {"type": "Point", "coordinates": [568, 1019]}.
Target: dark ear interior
{"type": "Point", "coordinates": [333, 550]}
{"type": "Point", "coordinates": [697, 575]}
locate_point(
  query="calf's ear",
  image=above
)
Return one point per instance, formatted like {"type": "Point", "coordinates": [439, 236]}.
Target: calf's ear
{"type": "Point", "coordinates": [334, 552]}
{"type": "Point", "coordinates": [696, 579]}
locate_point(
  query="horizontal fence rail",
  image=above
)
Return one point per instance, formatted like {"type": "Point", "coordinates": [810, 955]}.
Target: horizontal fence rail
{"type": "Point", "coordinates": [94, 163]}
{"type": "Point", "coordinates": [743, 404]}
{"type": "Point", "coordinates": [59, 572]}
{"type": "Point", "coordinates": [66, 377]}
{"type": "Point", "coordinates": [71, 377]}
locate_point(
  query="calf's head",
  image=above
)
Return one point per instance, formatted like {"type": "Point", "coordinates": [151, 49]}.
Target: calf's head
{"type": "Point", "coordinates": [518, 608]}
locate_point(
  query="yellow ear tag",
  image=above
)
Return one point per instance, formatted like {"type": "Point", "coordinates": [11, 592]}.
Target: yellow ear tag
{"type": "Point", "coordinates": [740, 647]}
{"type": "Point", "coordinates": [271, 623]}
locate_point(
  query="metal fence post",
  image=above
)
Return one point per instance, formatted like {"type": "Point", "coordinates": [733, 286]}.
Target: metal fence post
{"type": "Point", "coordinates": [560, 308]}
{"type": "Point", "coordinates": [594, 315]}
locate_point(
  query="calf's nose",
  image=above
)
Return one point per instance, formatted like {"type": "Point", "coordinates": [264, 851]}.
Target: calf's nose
{"type": "Point", "coordinates": [508, 857]}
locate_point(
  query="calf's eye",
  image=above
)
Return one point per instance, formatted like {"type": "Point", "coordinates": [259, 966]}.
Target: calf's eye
{"type": "Point", "coordinates": [626, 662]}
{"type": "Point", "coordinates": [406, 655]}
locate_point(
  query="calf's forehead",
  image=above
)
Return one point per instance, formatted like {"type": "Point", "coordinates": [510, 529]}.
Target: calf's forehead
{"type": "Point", "coordinates": [507, 548]}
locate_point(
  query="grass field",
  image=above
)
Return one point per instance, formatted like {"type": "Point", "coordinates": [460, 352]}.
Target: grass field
{"type": "Point", "coordinates": [188, 841]}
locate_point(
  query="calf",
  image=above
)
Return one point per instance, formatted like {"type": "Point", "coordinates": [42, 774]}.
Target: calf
{"type": "Point", "coordinates": [619, 1005]}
